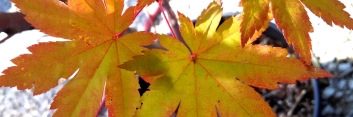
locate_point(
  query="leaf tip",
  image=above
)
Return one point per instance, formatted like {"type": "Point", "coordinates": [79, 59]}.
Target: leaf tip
{"type": "Point", "coordinates": [219, 2]}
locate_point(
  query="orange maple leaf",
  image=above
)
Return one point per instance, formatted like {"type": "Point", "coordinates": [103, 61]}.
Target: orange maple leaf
{"type": "Point", "coordinates": [96, 49]}
{"type": "Point", "coordinates": [211, 74]}
{"type": "Point", "coordinates": [330, 11]}
{"type": "Point", "coordinates": [292, 19]}
{"type": "Point", "coordinates": [255, 17]}
{"type": "Point", "coordinates": [143, 3]}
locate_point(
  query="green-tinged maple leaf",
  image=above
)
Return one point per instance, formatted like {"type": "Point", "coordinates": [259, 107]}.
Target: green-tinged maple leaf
{"type": "Point", "coordinates": [255, 17]}
{"type": "Point", "coordinates": [94, 27]}
{"type": "Point", "coordinates": [212, 75]}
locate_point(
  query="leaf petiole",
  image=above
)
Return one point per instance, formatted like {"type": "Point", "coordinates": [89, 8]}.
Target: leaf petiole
{"type": "Point", "coordinates": [165, 17]}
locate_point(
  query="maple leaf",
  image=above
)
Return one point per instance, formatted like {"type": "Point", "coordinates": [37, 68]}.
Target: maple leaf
{"type": "Point", "coordinates": [143, 3]}
{"type": "Point", "coordinates": [292, 19]}
{"type": "Point", "coordinates": [255, 17]}
{"type": "Point", "coordinates": [330, 11]}
{"type": "Point", "coordinates": [212, 73]}
{"type": "Point", "coordinates": [259, 32]}
{"type": "Point", "coordinates": [96, 49]}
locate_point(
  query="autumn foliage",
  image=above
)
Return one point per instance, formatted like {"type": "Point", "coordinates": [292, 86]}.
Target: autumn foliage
{"type": "Point", "coordinates": [212, 73]}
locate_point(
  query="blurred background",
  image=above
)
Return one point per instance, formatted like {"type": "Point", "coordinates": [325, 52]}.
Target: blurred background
{"type": "Point", "coordinates": [332, 49]}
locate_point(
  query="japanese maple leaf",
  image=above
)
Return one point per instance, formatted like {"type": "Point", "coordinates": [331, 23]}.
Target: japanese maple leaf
{"type": "Point", "coordinates": [212, 74]}
{"type": "Point", "coordinates": [94, 27]}
{"type": "Point", "coordinates": [255, 18]}
{"type": "Point", "coordinates": [143, 3]}
{"type": "Point", "coordinates": [293, 20]}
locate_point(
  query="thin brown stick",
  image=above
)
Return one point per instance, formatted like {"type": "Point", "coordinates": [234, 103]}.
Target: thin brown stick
{"type": "Point", "coordinates": [172, 19]}
{"type": "Point", "coordinates": [297, 100]}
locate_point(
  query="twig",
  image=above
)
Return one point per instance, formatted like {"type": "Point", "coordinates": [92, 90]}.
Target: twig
{"type": "Point", "coordinates": [151, 19]}
{"type": "Point", "coordinates": [174, 23]}
{"type": "Point", "coordinates": [173, 19]}
{"type": "Point", "coordinates": [345, 73]}
{"type": "Point", "coordinates": [6, 38]}
{"type": "Point", "coordinates": [297, 100]}
{"type": "Point", "coordinates": [274, 92]}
